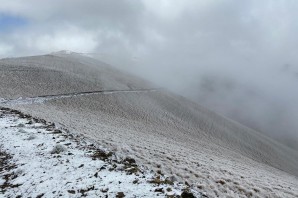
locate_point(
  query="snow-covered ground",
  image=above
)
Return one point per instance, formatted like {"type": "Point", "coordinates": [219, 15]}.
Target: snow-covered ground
{"type": "Point", "coordinates": [39, 159]}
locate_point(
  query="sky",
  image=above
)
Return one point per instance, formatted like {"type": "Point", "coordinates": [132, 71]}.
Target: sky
{"type": "Point", "coordinates": [238, 58]}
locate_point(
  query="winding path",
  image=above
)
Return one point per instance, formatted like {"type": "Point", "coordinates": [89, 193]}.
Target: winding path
{"type": "Point", "coordinates": [43, 98]}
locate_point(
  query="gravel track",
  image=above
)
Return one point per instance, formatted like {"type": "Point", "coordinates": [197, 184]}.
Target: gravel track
{"type": "Point", "coordinates": [42, 99]}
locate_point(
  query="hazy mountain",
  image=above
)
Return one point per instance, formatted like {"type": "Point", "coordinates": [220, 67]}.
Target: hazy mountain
{"type": "Point", "coordinates": [248, 105]}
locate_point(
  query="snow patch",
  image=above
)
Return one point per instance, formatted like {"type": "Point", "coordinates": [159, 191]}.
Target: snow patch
{"type": "Point", "coordinates": [53, 162]}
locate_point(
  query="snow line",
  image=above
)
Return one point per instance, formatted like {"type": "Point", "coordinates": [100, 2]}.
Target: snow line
{"type": "Point", "coordinates": [43, 98]}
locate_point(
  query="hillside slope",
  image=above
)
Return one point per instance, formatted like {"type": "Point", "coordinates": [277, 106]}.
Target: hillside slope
{"type": "Point", "coordinates": [160, 129]}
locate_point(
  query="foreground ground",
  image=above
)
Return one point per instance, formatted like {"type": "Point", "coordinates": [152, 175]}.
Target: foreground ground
{"type": "Point", "coordinates": [40, 160]}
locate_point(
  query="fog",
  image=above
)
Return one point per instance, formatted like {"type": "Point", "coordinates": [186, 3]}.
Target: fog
{"type": "Point", "coordinates": [238, 58]}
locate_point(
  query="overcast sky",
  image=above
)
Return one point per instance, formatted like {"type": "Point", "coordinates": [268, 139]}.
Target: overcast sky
{"type": "Point", "coordinates": [237, 57]}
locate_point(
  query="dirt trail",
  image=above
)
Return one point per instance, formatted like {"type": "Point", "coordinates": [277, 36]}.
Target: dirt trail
{"type": "Point", "coordinates": [43, 98]}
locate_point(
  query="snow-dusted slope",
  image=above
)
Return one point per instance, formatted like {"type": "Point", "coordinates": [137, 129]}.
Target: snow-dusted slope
{"type": "Point", "coordinates": [41, 160]}
{"type": "Point", "coordinates": [60, 74]}
{"type": "Point", "coordinates": [161, 130]}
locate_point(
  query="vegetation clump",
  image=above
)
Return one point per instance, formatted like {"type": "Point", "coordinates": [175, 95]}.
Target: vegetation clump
{"type": "Point", "coordinates": [58, 149]}
{"type": "Point", "coordinates": [102, 155]}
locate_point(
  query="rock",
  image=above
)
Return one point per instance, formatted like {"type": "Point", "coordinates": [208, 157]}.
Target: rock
{"type": "Point", "coordinates": [120, 195]}
{"type": "Point", "coordinates": [135, 181]}
{"type": "Point", "coordinates": [81, 165]}
{"type": "Point", "coordinates": [71, 191]}
{"type": "Point", "coordinates": [169, 189]}
{"type": "Point", "coordinates": [158, 190]}
{"type": "Point", "coordinates": [40, 195]}
{"type": "Point", "coordinates": [186, 183]}
{"type": "Point", "coordinates": [30, 122]}
{"type": "Point", "coordinates": [96, 174]}
{"type": "Point", "coordinates": [186, 194]}
{"type": "Point", "coordinates": [104, 190]}
{"type": "Point", "coordinates": [102, 168]}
